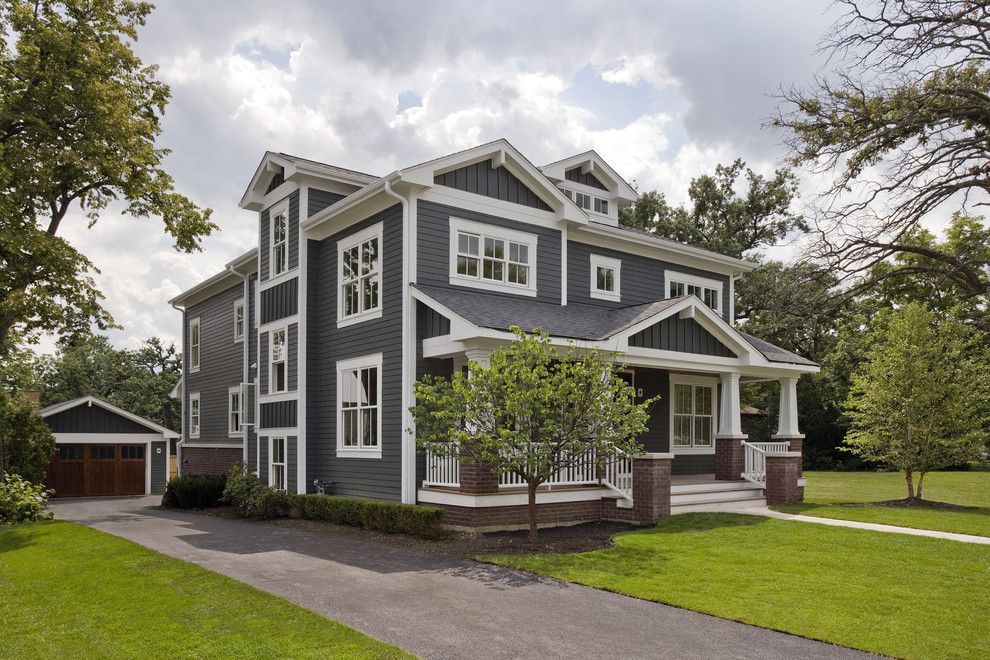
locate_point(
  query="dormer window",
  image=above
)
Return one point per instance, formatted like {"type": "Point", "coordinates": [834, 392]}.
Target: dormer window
{"type": "Point", "coordinates": [605, 274]}
{"type": "Point", "coordinates": [708, 290]}
{"type": "Point", "coordinates": [588, 202]}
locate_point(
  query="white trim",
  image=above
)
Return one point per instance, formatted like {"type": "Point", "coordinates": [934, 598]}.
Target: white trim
{"type": "Point", "coordinates": [357, 239]}
{"type": "Point", "coordinates": [278, 323]}
{"type": "Point", "coordinates": [279, 208]}
{"type": "Point", "coordinates": [486, 231]}
{"type": "Point", "coordinates": [107, 438]}
{"type": "Point", "coordinates": [195, 322]}
{"type": "Point", "coordinates": [278, 396]}
{"type": "Point", "coordinates": [489, 206]}
{"type": "Point", "coordinates": [364, 362]}
{"type": "Point", "coordinates": [302, 292]}
{"type": "Point", "coordinates": [284, 463]}
{"type": "Point", "coordinates": [92, 400]}
{"type": "Point", "coordinates": [240, 413]}
{"type": "Point", "coordinates": [284, 328]}
{"type": "Point", "coordinates": [670, 276]}
{"type": "Point", "coordinates": [272, 282]}
{"type": "Point", "coordinates": [239, 303]}
{"type": "Point", "coordinates": [564, 268]}
{"type": "Point", "coordinates": [693, 380]}
{"type": "Point", "coordinates": [213, 445]}
{"type": "Point", "coordinates": [510, 498]}
{"type": "Point", "coordinates": [194, 396]}
{"type": "Point", "coordinates": [599, 261]}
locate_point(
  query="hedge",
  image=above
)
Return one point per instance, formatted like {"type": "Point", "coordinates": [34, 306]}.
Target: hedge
{"type": "Point", "coordinates": [390, 517]}
{"type": "Point", "coordinates": [194, 491]}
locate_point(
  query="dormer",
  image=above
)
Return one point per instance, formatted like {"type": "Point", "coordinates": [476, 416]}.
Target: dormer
{"type": "Point", "coordinates": [280, 173]}
{"type": "Point", "coordinates": [593, 185]}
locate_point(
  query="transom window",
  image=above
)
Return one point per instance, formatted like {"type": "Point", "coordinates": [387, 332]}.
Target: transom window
{"type": "Point", "coordinates": [492, 257]}
{"type": "Point", "coordinates": [239, 320]}
{"type": "Point", "coordinates": [276, 362]}
{"type": "Point", "coordinates": [694, 415]}
{"type": "Point", "coordinates": [279, 250]}
{"type": "Point", "coordinates": [102, 452]}
{"type": "Point", "coordinates": [359, 406]}
{"type": "Point", "coordinates": [234, 411]}
{"type": "Point", "coordinates": [710, 291]}
{"type": "Point", "coordinates": [70, 452]}
{"type": "Point", "coordinates": [588, 202]}
{"type": "Point", "coordinates": [278, 463]}
{"type": "Point", "coordinates": [194, 415]}
{"type": "Point", "coordinates": [361, 273]}
{"type": "Point", "coordinates": [132, 452]}
{"type": "Point", "coordinates": [605, 277]}
{"type": "Point", "coordinates": [194, 344]}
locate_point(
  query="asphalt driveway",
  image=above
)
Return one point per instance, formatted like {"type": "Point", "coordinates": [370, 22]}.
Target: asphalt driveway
{"type": "Point", "coordinates": [436, 607]}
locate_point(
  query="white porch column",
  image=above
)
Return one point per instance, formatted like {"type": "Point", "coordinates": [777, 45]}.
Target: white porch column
{"type": "Point", "coordinates": [729, 418]}
{"type": "Point", "coordinates": [482, 356]}
{"type": "Point", "coordinates": [787, 418]}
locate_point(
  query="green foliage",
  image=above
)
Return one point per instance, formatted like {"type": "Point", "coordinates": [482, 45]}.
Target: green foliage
{"type": "Point", "coordinates": [22, 501]}
{"type": "Point", "coordinates": [194, 491]}
{"type": "Point", "coordinates": [26, 442]}
{"type": "Point", "coordinates": [919, 403]}
{"type": "Point", "coordinates": [389, 517]}
{"type": "Point", "coordinates": [719, 218]}
{"type": "Point", "coordinates": [253, 499]}
{"type": "Point", "coordinates": [79, 117]}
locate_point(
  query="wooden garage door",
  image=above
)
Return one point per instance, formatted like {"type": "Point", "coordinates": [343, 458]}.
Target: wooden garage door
{"type": "Point", "coordinates": [94, 470]}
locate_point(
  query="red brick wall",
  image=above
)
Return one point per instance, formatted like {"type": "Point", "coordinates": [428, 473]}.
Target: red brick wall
{"type": "Point", "coordinates": [651, 489]}
{"type": "Point", "coordinates": [554, 513]}
{"type": "Point", "coordinates": [477, 478]}
{"type": "Point", "coordinates": [782, 476]}
{"type": "Point", "coordinates": [208, 460]}
{"type": "Point", "coordinates": [729, 460]}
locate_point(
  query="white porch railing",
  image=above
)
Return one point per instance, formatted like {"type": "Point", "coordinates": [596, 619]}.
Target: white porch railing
{"type": "Point", "coordinates": [584, 471]}
{"type": "Point", "coordinates": [619, 475]}
{"type": "Point", "coordinates": [443, 470]}
{"type": "Point", "coordinates": [755, 459]}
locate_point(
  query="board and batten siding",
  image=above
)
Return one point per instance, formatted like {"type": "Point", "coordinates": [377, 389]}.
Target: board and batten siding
{"type": "Point", "coordinates": [264, 236]}
{"type": "Point", "coordinates": [495, 182]}
{"type": "Point", "coordinates": [280, 301]}
{"type": "Point", "coordinates": [433, 247]}
{"type": "Point", "coordinates": [221, 365]}
{"type": "Point", "coordinates": [364, 477]}
{"type": "Point", "coordinates": [682, 335]}
{"type": "Point", "coordinates": [588, 179]}
{"type": "Point", "coordinates": [641, 278]}
{"type": "Point", "coordinates": [94, 419]}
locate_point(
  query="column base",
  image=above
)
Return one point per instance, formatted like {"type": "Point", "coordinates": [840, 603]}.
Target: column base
{"type": "Point", "coordinates": [729, 460]}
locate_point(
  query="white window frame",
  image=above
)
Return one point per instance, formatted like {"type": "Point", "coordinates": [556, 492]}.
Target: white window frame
{"type": "Point", "coordinates": [693, 381]}
{"type": "Point", "coordinates": [598, 261]}
{"type": "Point", "coordinates": [483, 231]}
{"type": "Point", "coordinates": [231, 431]}
{"type": "Point", "coordinates": [198, 352]}
{"type": "Point", "coordinates": [198, 416]}
{"type": "Point", "coordinates": [239, 306]}
{"type": "Point", "coordinates": [364, 362]}
{"type": "Point", "coordinates": [284, 329]}
{"type": "Point", "coordinates": [343, 245]}
{"type": "Point", "coordinates": [282, 208]}
{"type": "Point", "coordinates": [272, 464]}
{"type": "Point", "coordinates": [670, 277]}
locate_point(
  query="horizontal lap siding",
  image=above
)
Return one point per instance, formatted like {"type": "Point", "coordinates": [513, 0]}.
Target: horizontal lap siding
{"type": "Point", "coordinates": [682, 335]}
{"type": "Point", "coordinates": [498, 183]}
{"type": "Point", "coordinates": [433, 247]}
{"type": "Point", "coordinates": [263, 464]}
{"type": "Point", "coordinates": [263, 363]}
{"type": "Point", "coordinates": [251, 335]}
{"type": "Point", "coordinates": [292, 357]}
{"type": "Point", "coordinates": [293, 230]}
{"type": "Point", "coordinates": [159, 454]}
{"type": "Point", "coordinates": [280, 301]}
{"type": "Point", "coordinates": [366, 477]}
{"type": "Point", "coordinates": [93, 419]}
{"type": "Point", "coordinates": [291, 463]}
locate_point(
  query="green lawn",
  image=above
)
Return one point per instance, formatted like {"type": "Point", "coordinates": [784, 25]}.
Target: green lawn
{"type": "Point", "coordinates": [829, 495]}
{"type": "Point", "coordinates": [898, 595]}
{"type": "Point", "coordinates": [73, 592]}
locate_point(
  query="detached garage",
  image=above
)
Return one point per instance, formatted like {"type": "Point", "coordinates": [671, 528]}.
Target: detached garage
{"type": "Point", "coordinates": [104, 450]}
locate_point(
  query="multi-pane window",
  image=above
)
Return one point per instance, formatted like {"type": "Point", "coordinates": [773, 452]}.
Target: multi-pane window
{"type": "Point", "coordinates": [194, 344]}
{"type": "Point", "coordinates": [360, 275]}
{"type": "Point", "coordinates": [279, 239]}
{"type": "Point", "coordinates": [70, 452]}
{"type": "Point", "coordinates": [102, 452]}
{"type": "Point", "coordinates": [194, 415]}
{"type": "Point", "coordinates": [694, 415]}
{"type": "Point", "coordinates": [710, 295]}
{"type": "Point", "coordinates": [500, 260]}
{"type": "Point", "coordinates": [605, 277]}
{"type": "Point", "coordinates": [132, 452]}
{"type": "Point", "coordinates": [234, 411]}
{"type": "Point", "coordinates": [278, 463]}
{"type": "Point", "coordinates": [239, 320]}
{"type": "Point", "coordinates": [359, 405]}
{"type": "Point", "coordinates": [582, 200]}
{"type": "Point", "coordinates": [276, 362]}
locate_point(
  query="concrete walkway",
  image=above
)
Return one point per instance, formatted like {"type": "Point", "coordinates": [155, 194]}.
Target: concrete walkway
{"type": "Point", "coordinates": [873, 527]}
{"type": "Point", "coordinates": [433, 606]}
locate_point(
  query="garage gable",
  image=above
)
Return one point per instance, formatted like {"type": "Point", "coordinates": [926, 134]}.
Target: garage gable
{"type": "Point", "coordinates": [92, 415]}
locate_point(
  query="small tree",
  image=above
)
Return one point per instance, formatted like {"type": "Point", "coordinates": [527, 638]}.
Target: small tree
{"type": "Point", "coordinates": [919, 403]}
{"type": "Point", "coordinates": [532, 412]}
{"type": "Point", "coordinates": [26, 442]}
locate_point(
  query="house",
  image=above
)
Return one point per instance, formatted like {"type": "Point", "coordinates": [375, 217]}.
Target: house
{"type": "Point", "coordinates": [301, 355]}
{"type": "Point", "coordinates": [101, 449]}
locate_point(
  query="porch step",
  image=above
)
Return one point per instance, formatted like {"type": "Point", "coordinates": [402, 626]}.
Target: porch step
{"type": "Point", "coordinates": [710, 487]}
{"type": "Point", "coordinates": [718, 505]}
{"type": "Point", "coordinates": [716, 495]}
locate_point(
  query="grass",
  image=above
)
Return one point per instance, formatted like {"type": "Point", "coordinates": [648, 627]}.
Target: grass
{"type": "Point", "coordinates": [899, 595]}
{"type": "Point", "coordinates": [71, 591]}
{"type": "Point", "coordinates": [841, 495]}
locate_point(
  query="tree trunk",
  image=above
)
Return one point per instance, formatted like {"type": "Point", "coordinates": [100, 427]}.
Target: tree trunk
{"type": "Point", "coordinates": [909, 476]}
{"type": "Point", "coordinates": [917, 491]}
{"type": "Point", "coordinates": [533, 530]}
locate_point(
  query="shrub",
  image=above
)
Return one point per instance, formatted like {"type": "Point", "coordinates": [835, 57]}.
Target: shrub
{"type": "Point", "coordinates": [22, 501]}
{"type": "Point", "coordinates": [26, 442]}
{"type": "Point", "coordinates": [253, 499]}
{"type": "Point", "coordinates": [194, 491]}
{"type": "Point", "coordinates": [390, 517]}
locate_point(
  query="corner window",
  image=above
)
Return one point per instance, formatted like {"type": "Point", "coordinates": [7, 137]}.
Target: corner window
{"type": "Point", "coordinates": [605, 278]}
{"type": "Point", "coordinates": [194, 415]}
{"type": "Point", "coordinates": [239, 320]}
{"type": "Point", "coordinates": [492, 258]}
{"type": "Point", "coordinates": [360, 275]}
{"type": "Point", "coordinates": [277, 462]}
{"type": "Point", "coordinates": [709, 291]}
{"type": "Point", "coordinates": [234, 411]}
{"type": "Point", "coordinates": [693, 415]}
{"type": "Point", "coordinates": [277, 376]}
{"type": "Point", "coordinates": [279, 257]}
{"type": "Point", "coordinates": [359, 384]}
{"type": "Point", "coordinates": [194, 344]}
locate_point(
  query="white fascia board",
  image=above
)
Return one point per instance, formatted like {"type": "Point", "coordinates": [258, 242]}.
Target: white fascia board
{"type": "Point", "coordinates": [92, 400]}
{"type": "Point", "coordinates": [356, 206]}
{"type": "Point", "coordinates": [208, 287]}
{"type": "Point", "coordinates": [591, 161]}
{"type": "Point", "coordinates": [107, 438]}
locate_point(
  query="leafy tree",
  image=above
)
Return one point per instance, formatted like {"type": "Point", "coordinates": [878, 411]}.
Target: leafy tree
{"type": "Point", "coordinates": [919, 402]}
{"type": "Point", "coordinates": [901, 130]}
{"type": "Point", "coordinates": [26, 442]}
{"type": "Point", "coordinates": [79, 117]}
{"type": "Point", "coordinates": [720, 218]}
{"type": "Point", "coordinates": [532, 412]}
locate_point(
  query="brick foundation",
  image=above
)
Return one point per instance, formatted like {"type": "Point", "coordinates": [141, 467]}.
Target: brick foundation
{"type": "Point", "coordinates": [783, 472]}
{"type": "Point", "coordinates": [477, 478]}
{"type": "Point", "coordinates": [651, 487]}
{"type": "Point", "coordinates": [729, 459]}
{"type": "Point", "coordinates": [208, 460]}
{"type": "Point", "coordinates": [547, 515]}
{"type": "Point", "coordinates": [795, 444]}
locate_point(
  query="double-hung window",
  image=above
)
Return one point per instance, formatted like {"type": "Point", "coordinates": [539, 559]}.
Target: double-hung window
{"type": "Point", "coordinates": [278, 380]}
{"type": "Point", "coordinates": [278, 463]}
{"type": "Point", "coordinates": [359, 384]}
{"type": "Point", "coordinates": [194, 344]}
{"type": "Point", "coordinates": [710, 291]}
{"type": "Point", "coordinates": [279, 257]}
{"type": "Point", "coordinates": [693, 415]}
{"type": "Point", "coordinates": [489, 257]}
{"type": "Point", "coordinates": [239, 320]}
{"type": "Point", "coordinates": [360, 275]}
{"type": "Point", "coordinates": [605, 278]}
{"type": "Point", "coordinates": [234, 411]}
{"type": "Point", "coordinates": [194, 415]}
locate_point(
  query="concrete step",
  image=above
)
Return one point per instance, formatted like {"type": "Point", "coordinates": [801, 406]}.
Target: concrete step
{"type": "Point", "coordinates": [716, 495]}
{"type": "Point", "coordinates": [710, 487]}
{"type": "Point", "coordinates": [719, 505]}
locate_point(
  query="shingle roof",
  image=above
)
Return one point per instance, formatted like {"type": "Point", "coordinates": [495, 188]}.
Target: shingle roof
{"type": "Point", "coordinates": [328, 166]}
{"type": "Point", "coordinates": [775, 353]}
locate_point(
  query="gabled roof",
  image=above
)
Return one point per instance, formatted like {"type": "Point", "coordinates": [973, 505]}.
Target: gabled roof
{"type": "Point", "coordinates": [232, 274]}
{"type": "Point", "coordinates": [93, 401]}
{"type": "Point", "coordinates": [291, 167]}
{"type": "Point", "coordinates": [590, 162]}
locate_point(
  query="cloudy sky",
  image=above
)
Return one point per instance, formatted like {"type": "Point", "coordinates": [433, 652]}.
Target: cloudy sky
{"type": "Point", "coordinates": [662, 90]}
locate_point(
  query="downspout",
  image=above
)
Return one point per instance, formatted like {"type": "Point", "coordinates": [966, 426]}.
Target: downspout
{"type": "Point", "coordinates": [182, 393]}
{"type": "Point", "coordinates": [246, 348]}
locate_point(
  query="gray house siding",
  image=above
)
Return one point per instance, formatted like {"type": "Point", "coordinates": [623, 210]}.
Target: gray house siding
{"type": "Point", "coordinates": [291, 358]}
{"type": "Point", "coordinates": [159, 454]}
{"type": "Point", "coordinates": [277, 415]}
{"type": "Point", "coordinates": [433, 247]}
{"type": "Point", "coordinates": [429, 323]}
{"type": "Point", "coordinates": [574, 174]}
{"type": "Point", "coordinates": [263, 463]}
{"type": "Point", "coordinates": [221, 365]}
{"type": "Point", "coordinates": [641, 278]}
{"type": "Point", "coordinates": [499, 183]}
{"type": "Point", "coordinates": [655, 382]}
{"type": "Point", "coordinates": [677, 334]}
{"type": "Point", "coordinates": [366, 477]}
{"type": "Point", "coordinates": [264, 236]}
{"type": "Point", "coordinates": [320, 199]}
{"type": "Point", "coordinates": [93, 419]}
{"type": "Point", "coordinates": [279, 301]}
{"type": "Point", "coordinates": [251, 336]}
